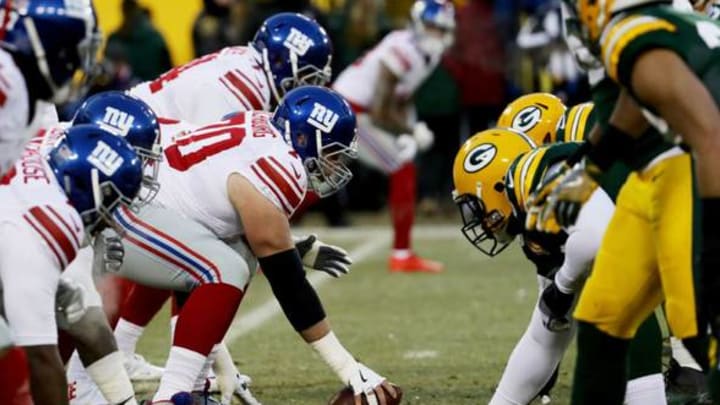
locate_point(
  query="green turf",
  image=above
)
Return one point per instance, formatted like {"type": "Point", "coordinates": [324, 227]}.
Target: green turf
{"type": "Point", "coordinates": [460, 325]}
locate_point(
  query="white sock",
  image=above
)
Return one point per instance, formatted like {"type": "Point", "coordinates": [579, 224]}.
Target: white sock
{"type": "Point", "coordinates": [181, 370]}
{"type": "Point", "coordinates": [110, 376]}
{"type": "Point", "coordinates": [646, 390]}
{"type": "Point", "coordinates": [682, 356]}
{"type": "Point", "coordinates": [173, 325]}
{"type": "Point", "coordinates": [202, 377]}
{"type": "Point", "coordinates": [127, 335]}
{"type": "Point", "coordinates": [401, 253]}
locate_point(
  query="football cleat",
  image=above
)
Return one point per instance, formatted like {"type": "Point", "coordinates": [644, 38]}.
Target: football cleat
{"type": "Point", "coordinates": [139, 369]}
{"type": "Point", "coordinates": [414, 264]}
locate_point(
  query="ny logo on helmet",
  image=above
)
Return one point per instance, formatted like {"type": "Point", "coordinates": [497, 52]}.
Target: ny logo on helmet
{"type": "Point", "coordinates": [105, 159]}
{"type": "Point", "coordinates": [116, 121]}
{"type": "Point", "coordinates": [323, 118]}
{"type": "Point", "coordinates": [298, 42]}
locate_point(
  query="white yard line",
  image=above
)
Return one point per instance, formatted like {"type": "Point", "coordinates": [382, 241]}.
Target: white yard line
{"type": "Point", "coordinates": [247, 322]}
{"type": "Point", "coordinates": [420, 232]}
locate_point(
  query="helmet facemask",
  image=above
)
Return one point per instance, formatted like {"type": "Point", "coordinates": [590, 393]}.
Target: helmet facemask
{"type": "Point", "coordinates": [106, 199]}
{"type": "Point", "coordinates": [328, 172]}
{"type": "Point", "coordinates": [308, 75]}
{"type": "Point", "coordinates": [150, 185]}
{"type": "Point", "coordinates": [488, 232]}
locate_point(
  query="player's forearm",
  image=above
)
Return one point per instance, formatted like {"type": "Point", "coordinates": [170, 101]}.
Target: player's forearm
{"type": "Point", "coordinates": [391, 119]}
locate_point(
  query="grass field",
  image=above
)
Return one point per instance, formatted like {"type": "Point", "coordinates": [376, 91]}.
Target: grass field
{"type": "Point", "coordinates": [444, 338]}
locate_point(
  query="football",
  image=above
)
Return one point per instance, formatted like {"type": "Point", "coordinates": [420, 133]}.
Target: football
{"type": "Point", "coordinates": [345, 397]}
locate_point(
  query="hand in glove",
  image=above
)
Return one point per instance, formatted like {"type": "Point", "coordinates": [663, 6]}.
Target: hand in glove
{"type": "Point", "coordinates": [109, 252]}
{"type": "Point", "coordinates": [407, 146]}
{"type": "Point", "coordinates": [317, 255]}
{"type": "Point", "coordinates": [69, 303]}
{"type": "Point", "coordinates": [423, 136]}
{"type": "Point", "coordinates": [370, 386]}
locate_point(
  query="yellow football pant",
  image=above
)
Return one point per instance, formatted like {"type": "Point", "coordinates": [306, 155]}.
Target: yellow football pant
{"type": "Point", "coordinates": [646, 255]}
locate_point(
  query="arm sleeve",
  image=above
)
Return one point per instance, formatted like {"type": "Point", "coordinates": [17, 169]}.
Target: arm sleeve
{"type": "Point", "coordinates": [583, 242]}
{"type": "Point", "coordinates": [630, 38]}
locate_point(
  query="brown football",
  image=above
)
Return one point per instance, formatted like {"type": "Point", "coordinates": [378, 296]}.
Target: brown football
{"type": "Point", "coordinates": [346, 397]}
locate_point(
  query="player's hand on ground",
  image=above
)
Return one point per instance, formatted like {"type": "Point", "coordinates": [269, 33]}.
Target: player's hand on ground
{"type": "Point", "coordinates": [320, 256]}
{"type": "Point", "coordinates": [237, 385]}
{"type": "Point", "coordinates": [109, 249]}
{"type": "Point", "coordinates": [69, 302]}
{"type": "Point", "coordinates": [372, 386]}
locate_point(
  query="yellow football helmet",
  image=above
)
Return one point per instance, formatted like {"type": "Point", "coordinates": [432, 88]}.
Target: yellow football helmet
{"type": "Point", "coordinates": [576, 120]}
{"type": "Point", "coordinates": [478, 175]}
{"type": "Point", "coordinates": [536, 115]}
{"type": "Point", "coordinates": [595, 14]}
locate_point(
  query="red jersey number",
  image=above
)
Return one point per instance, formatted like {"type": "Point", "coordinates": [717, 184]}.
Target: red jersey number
{"type": "Point", "coordinates": [172, 74]}
{"type": "Point", "coordinates": [197, 146]}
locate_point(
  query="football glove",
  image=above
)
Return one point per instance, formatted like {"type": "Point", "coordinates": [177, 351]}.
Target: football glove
{"type": "Point", "coordinates": [236, 385]}
{"type": "Point", "coordinates": [407, 146]}
{"type": "Point", "coordinates": [555, 305]}
{"type": "Point", "coordinates": [69, 302]}
{"type": "Point", "coordinates": [109, 252]}
{"type": "Point", "coordinates": [367, 384]}
{"type": "Point", "coordinates": [538, 199]}
{"type": "Point", "coordinates": [320, 256]}
{"type": "Point", "coordinates": [423, 135]}
{"type": "Point", "coordinates": [559, 202]}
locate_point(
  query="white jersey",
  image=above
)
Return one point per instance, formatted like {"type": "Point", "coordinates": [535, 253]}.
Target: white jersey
{"type": "Point", "coordinates": [16, 126]}
{"type": "Point", "coordinates": [31, 194]}
{"type": "Point", "coordinates": [196, 166]}
{"type": "Point", "coordinates": [399, 52]}
{"type": "Point", "coordinates": [209, 88]}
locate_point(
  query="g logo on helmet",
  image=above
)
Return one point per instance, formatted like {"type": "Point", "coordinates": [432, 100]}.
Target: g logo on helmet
{"type": "Point", "coordinates": [323, 118]}
{"type": "Point", "coordinates": [479, 157]}
{"type": "Point", "coordinates": [527, 118]}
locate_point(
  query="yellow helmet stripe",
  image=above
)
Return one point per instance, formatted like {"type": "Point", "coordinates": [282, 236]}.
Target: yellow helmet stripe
{"type": "Point", "coordinates": [620, 35]}
{"type": "Point", "coordinates": [528, 166]}
{"type": "Point", "coordinates": [580, 118]}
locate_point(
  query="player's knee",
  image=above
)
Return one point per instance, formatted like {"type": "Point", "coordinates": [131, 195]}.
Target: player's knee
{"type": "Point", "coordinates": [233, 271]}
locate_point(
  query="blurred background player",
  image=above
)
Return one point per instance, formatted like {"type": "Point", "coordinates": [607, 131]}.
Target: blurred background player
{"type": "Point", "coordinates": [42, 46]}
{"type": "Point", "coordinates": [51, 201]}
{"type": "Point", "coordinates": [380, 87]}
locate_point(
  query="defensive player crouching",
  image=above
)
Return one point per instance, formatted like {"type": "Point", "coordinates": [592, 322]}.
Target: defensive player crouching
{"type": "Point", "coordinates": [494, 172]}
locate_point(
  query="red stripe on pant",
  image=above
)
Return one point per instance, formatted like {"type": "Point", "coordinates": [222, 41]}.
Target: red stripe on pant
{"type": "Point", "coordinates": [206, 317]}
{"type": "Point", "coordinates": [402, 204]}
{"type": "Point", "coordinates": [14, 378]}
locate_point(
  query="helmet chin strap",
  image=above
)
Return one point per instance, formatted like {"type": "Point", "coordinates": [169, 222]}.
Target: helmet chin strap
{"type": "Point", "coordinates": [269, 75]}
{"type": "Point", "coordinates": [39, 51]}
{"type": "Point", "coordinates": [95, 184]}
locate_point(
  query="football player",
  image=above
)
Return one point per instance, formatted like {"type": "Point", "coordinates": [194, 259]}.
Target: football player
{"type": "Point", "coordinates": [43, 44]}
{"type": "Point", "coordinates": [288, 50]}
{"type": "Point", "coordinates": [14, 373]}
{"type": "Point", "coordinates": [50, 202]}
{"type": "Point", "coordinates": [494, 172]}
{"type": "Point", "coordinates": [380, 86]}
{"type": "Point", "coordinates": [252, 172]}
{"type": "Point", "coordinates": [655, 53]}
{"type": "Point", "coordinates": [131, 119]}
